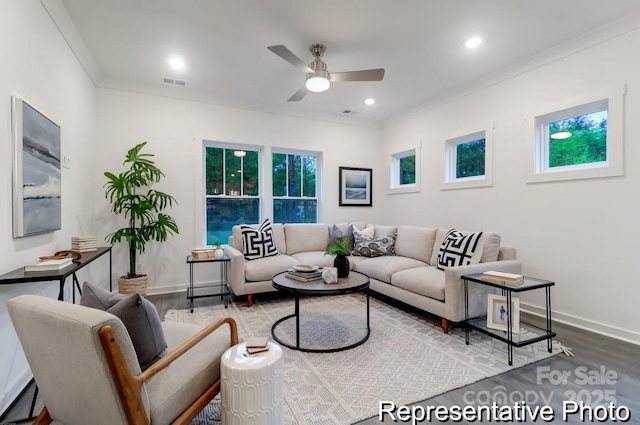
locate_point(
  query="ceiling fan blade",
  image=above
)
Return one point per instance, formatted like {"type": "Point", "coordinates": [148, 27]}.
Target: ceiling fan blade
{"type": "Point", "coordinates": [363, 75]}
{"type": "Point", "coordinates": [287, 55]}
{"type": "Point", "coordinates": [299, 94]}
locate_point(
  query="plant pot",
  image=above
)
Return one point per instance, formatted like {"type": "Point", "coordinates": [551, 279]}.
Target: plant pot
{"type": "Point", "coordinates": [218, 253]}
{"type": "Point", "coordinates": [128, 286]}
{"type": "Point", "coordinates": [341, 262]}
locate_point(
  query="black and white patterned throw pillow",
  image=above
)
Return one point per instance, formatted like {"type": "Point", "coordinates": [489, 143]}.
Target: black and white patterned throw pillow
{"type": "Point", "coordinates": [258, 243]}
{"type": "Point", "coordinates": [458, 249]}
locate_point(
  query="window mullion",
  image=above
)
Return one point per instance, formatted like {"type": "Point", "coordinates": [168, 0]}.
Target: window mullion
{"type": "Point", "coordinates": [241, 176]}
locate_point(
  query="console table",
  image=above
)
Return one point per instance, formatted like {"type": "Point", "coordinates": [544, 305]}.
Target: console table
{"type": "Point", "coordinates": [18, 276]}
{"type": "Point", "coordinates": [528, 333]}
{"type": "Point", "coordinates": [21, 276]}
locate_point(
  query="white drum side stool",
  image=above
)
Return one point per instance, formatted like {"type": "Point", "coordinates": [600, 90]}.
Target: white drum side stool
{"type": "Point", "coordinates": [252, 389]}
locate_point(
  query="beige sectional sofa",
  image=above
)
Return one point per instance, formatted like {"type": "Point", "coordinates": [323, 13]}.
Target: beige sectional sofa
{"type": "Point", "coordinates": [409, 276]}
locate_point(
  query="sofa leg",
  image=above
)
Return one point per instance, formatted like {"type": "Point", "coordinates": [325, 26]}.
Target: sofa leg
{"type": "Point", "coordinates": [445, 325]}
{"type": "Point", "coordinates": [249, 300]}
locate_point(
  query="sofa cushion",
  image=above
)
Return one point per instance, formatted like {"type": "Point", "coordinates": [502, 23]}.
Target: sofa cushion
{"type": "Point", "coordinates": [337, 233]}
{"type": "Point", "coordinates": [382, 268]}
{"type": "Point", "coordinates": [139, 316]}
{"type": "Point", "coordinates": [416, 242]}
{"type": "Point", "coordinates": [490, 246]}
{"type": "Point", "coordinates": [265, 268]}
{"type": "Point", "coordinates": [306, 237]}
{"type": "Point", "coordinates": [426, 281]}
{"type": "Point", "coordinates": [258, 243]}
{"type": "Point", "coordinates": [373, 247]}
{"type": "Point", "coordinates": [458, 249]}
{"type": "Point", "coordinates": [384, 230]}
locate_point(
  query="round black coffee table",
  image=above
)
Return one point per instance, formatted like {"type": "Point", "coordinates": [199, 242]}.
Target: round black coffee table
{"type": "Point", "coordinates": [355, 282]}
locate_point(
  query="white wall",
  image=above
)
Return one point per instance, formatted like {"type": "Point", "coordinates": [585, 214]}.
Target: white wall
{"type": "Point", "coordinates": [38, 67]}
{"type": "Point", "coordinates": [581, 234]}
{"type": "Point", "coordinates": [175, 129]}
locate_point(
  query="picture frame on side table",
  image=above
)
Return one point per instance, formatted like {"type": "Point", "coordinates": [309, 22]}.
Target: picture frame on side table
{"type": "Point", "coordinates": [355, 186]}
{"type": "Point", "coordinates": [497, 313]}
{"type": "Point", "coordinates": [37, 194]}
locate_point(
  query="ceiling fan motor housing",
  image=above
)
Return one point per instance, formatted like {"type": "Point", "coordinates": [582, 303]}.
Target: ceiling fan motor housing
{"type": "Point", "coordinates": [319, 68]}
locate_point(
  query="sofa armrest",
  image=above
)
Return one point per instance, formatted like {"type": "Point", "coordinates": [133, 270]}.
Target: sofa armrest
{"type": "Point", "coordinates": [454, 288]}
{"type": "Point", "coordinates": [235, 271]}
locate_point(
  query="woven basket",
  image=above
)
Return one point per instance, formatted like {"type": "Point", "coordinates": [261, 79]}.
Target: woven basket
{"type": "Point", "coordinates": [134, 285]}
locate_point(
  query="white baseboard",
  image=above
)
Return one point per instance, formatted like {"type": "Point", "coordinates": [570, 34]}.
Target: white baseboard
{"type": "Point", "coordinates": [179, 288]}
{"type": "Point", "coordinates": [582, 323]}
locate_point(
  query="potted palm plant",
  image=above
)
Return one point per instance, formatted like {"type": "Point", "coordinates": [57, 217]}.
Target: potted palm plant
{"type": "Point", "coordinates": [340, 248]}
{"type": "Point", "coordinates": [130, 193]}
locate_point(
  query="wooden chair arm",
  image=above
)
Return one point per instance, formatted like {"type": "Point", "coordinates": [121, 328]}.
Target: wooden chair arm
{"type": "Point", "coordinates": [129, 386]}
{"type": "Point", "coordinates": [190, 343]}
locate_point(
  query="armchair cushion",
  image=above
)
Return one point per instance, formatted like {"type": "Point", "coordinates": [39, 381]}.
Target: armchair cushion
{"type": "Point", "coordinates": [172, 390]}
{"type": "Point", "coordinates": [139, 316]}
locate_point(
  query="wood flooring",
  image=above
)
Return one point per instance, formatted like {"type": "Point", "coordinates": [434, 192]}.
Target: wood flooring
{"type": "Point", "coordinates": [601, 369]}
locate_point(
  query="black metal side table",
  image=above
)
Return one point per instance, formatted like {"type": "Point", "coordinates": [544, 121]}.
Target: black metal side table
{"type": "Point", "coordinates": [528, 334]}
{"type": "Point", "coordinates": [222, 287]}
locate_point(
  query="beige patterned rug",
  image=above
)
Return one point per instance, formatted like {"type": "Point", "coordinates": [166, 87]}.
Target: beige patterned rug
{"type": "Point", "coordinates": [406, 359]}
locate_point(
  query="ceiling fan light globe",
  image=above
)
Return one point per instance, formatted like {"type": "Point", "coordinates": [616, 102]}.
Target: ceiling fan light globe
{"type": "Point", "coordinates": [317, 84]}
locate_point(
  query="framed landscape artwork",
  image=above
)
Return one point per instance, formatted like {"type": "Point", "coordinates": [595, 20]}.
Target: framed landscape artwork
{"type": "Point", "coordinates": [37, 203]}
{"type": "Point", "coordinates": [355, 186]}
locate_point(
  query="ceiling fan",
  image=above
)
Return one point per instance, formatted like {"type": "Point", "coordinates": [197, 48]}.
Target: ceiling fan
{"type": "Point", "coordinates": [318, 77]}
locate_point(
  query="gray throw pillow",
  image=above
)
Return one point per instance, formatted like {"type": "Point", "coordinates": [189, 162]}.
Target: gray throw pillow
{"type": "Point", "coordinates": [96, 297]}
{"type": "Point", "coordinates": [139, 316]}
{"type": "Point", "coordinates": [336, 233]}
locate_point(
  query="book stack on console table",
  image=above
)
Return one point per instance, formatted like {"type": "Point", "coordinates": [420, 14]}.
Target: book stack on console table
{"type": "Point", "coordinates": [49, 265]}
{"type": "Point", "coordinates": [257, 344]}
{"type": "Point", "coordinates": [84, 243]}
{"type": "Point", "coordinates": [508, 278]}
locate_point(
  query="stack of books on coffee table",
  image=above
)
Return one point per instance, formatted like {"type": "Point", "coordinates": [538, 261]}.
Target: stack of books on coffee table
{"type": "Point", "coordinates": [304, 276]}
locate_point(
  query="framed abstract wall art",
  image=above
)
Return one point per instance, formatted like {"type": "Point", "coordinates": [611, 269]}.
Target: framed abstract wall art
{"type": "Point", "coordinates": [37, 194]}
{"type": "Point", "coordinates": [355, 186]}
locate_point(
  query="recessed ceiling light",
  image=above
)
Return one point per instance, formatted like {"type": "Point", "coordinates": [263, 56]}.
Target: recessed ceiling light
{"type": "Point", "coordinates": [369, 101]}
{"type": "Point", "coordinates": [176, 63]}
{"type": "Point", "coordinates": [473, 42]}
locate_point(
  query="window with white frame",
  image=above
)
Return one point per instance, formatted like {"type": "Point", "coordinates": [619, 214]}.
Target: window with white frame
{"type": "Point", "coordinates": [404, 172]}
{"type": "Point", "coordinates": [232, 190]}
{"type": "Point", "coordinates": [295, 186]}
{"type": "Point", "coordinates": [581, 141]}
{"type": "Point", "coordinates": [467, 160]}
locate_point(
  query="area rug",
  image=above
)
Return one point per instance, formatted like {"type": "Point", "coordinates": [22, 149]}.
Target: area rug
{"type": "Point", "coordinates": [406, 359]}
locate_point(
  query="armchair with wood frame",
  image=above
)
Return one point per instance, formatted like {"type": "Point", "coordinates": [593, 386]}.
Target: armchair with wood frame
{"type": "Point", "coordinates": [87, 371]}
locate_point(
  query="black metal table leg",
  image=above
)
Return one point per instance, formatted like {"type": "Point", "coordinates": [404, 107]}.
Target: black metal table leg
{"type": "Point", "coordinates": [466, 310]}
{"type": "Point", "coordinates": [297, 313]}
